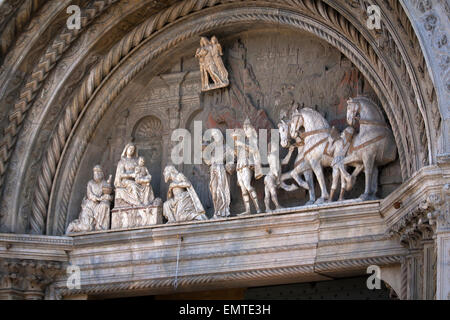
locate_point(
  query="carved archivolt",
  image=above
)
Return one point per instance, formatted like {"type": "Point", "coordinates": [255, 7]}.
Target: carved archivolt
{"type": "Point", "coordinates": [314, 16]}
{"type": "Point", "coordinates": [35, 81]}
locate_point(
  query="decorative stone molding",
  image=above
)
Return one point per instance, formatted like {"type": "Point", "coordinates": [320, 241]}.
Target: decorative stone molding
{"type": "Point", "coordinates": [35, 81]}
{"type": "Point", "coordinates": [416, 225]}
{"type": "Point", "coordinates": [439, 217]}
{"type": "Point", "coordinates": [430, 22]}
{"type": "Point", "coordinates": [417, 230]}
{"type": "Point", "coordinates": [27, 279]}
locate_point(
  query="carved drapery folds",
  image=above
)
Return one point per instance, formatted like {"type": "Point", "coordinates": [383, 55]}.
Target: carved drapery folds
{"type": "Point", "coordinates": [27, 279]}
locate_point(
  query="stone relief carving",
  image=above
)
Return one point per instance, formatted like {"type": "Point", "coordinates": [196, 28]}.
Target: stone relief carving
{"type": "Point", "coordinates": [219, 184]}
{"type": "Point", "coordinates": [131, 187]}
{"type": "Point", "coordinates": [318, 146]}
{"type": "Point", "coordinates": [248, 162]}
{"type": "Point", "coordinates": [95, 208]}
{"type": "Point", "coordinates": [365, 144]}
{"type": "Point", "coordinates": [135, 204]}
{"type": "Point", "coordinates": [182, 202]}
{"type": "Point", "coordinates": [272, 182]}
{"type": "Point", "coordinates": [211, 65]}
{"type": "Point", "coordinates": [373, 146]}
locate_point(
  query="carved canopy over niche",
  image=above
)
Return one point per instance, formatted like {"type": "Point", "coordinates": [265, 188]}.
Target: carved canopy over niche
{"type": "Point", "coordinates": [95, 71]}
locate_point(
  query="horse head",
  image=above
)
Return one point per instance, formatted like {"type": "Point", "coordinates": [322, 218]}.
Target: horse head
{"type": "Point", "coordinates": [283, 129]}
{"type": "Point", "coordinates": [353, 109]}
{"type": "Point", "coordinates": [296, 123]}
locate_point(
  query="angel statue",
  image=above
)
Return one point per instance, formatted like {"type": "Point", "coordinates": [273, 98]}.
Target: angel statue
{"type": "Point", "coordinates": [182, 202]}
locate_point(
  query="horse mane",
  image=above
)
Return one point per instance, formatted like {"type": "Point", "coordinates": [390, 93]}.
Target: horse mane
{"type": "Point", "coordinates": [317, 114]}
{"type": "Point", "coordinates": [366, 100]}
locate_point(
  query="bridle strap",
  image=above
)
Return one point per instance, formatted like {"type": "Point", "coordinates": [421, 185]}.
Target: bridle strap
{"type": "Point", "coordinates": [309, 150]}
{"type": "Point", "coordinates": [310, 133]}
{"type": "Point", "coordinates": [373, 123]}
{"type": "Point", "coordinates": [365, 144]}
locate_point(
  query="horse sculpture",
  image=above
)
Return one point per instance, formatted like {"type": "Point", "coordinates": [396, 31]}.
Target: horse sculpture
{"type": "Point", "coordinates": [316, 138]}
{"type": "Point", "coordinates": [373, 146]}
{"type": "Point", "coordinates": [285, 138]}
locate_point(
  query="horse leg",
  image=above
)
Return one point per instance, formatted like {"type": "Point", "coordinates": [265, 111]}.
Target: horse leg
{"type": "Point", "coordinates": [300, 182]}
{"type": "Point", "coordinates": [308, 174]}
{"type": "Point", "coordinates": [350, 183]}
{"type": "Point", "coordinates": [334, 182]}
{"type": "Point", "coordinates": [368, 161]}
{"type": "Point", "coordinates": [317, 168]}
{"type": "Point", "coordinates": [374, 187]}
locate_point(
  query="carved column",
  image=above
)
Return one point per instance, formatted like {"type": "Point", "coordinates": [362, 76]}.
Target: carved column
{"type": "Point", "coordinates": [440, 219]}
{"type": "Point", "coordinates": [26, 279]}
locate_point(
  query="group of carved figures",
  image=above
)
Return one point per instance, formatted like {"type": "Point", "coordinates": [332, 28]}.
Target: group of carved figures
{"type": "Point", "coordinates": [305, 130]}
{"type": "Point", "coordinates": [133, 194]}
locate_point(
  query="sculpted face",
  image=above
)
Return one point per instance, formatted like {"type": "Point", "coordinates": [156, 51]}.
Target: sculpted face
{"type": "Point", "coordinates": [283, 129]}
{"type": "Point", "coordinates": [130, 151]}
{"type": "Point", "coordinates": [297, 123]}
{"type": "Point", "coordinates": [168, 173]}
{"type": "Point", "coordinates": [352, 110]}
{"type": "Point", "coordinates": [98, 175]}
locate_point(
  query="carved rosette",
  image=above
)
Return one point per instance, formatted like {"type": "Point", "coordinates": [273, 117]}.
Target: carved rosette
{"type": "Point", "coordinates": [27, 279]}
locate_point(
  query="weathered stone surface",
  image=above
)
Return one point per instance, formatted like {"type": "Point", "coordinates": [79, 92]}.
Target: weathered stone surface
{"type": "Point", "coordinates": [73, 98]}
{"type": "Point", "coordinates": [131, 217]}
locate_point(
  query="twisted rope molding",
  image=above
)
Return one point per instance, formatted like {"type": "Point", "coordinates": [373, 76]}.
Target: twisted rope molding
{"type": "Point", "coordinates": [404, 279]}
{"type": "Point", "coordinates": [189, 281]}
{"type": "Point", "coordinates": [85, 92]}
{"type": "Point", "coordinates": [53, 154]}
{"type": "Point", "coordinates": [35, 81]}
{"type": "Point", "coordinates": [15, 25]}
{"type": "Point", "coordinates": [356, 263]}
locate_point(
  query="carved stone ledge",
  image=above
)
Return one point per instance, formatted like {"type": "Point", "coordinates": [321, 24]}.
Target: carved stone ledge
{"type": "Point", "coordinates": [27, 279]}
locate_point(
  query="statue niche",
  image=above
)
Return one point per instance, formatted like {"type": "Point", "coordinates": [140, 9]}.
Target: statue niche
{"type": "Point", "coordinates": [147, 135]}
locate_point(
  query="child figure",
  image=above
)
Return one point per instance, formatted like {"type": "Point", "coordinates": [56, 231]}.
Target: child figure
{"type": "Point", "coordinates": [272, 182]}
{"type": "Point", "coordinates": [338, 150]}
{"type": "Point", "coordinates": [143, 177]}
